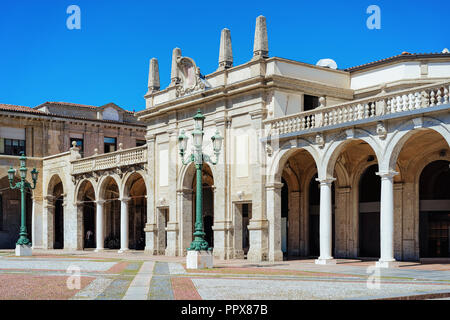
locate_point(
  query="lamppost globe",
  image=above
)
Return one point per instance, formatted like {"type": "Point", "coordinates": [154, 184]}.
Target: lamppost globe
{"type": "Point", "coordinates": [198, 138]}
{"type": "Point", "coordinates": [217, 141]}
{"type": "Point", "coordinates": [34, 174]}
{"type": "Point", "coordinates": [182, 139]}
{"type": "Point", "coordinates": [11, 173]}
{"type": "Point", "coordinates": [23, 160]}
{"type": "Point", "coordinates": [199, 120]}
{"type": "Point", "coordinates": [23, 172]}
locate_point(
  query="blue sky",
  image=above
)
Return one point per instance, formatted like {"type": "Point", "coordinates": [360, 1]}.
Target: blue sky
{"type": "Point", "coordinates": [107, 60]}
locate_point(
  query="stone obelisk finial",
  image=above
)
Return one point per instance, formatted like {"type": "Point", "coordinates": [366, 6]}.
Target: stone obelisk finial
{"type": "Point", "coordinates": [225, 52]}
{"type": "Point", "coordinates": [174, 77]}
{"type": "Point", "coordinates": [153, 76]}
{"type": "Point", "coordinates": [261, 45]}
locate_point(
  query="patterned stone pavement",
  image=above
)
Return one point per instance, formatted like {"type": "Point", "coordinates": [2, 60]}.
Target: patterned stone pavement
{"type": "Point", "coordinates": [137, 276]}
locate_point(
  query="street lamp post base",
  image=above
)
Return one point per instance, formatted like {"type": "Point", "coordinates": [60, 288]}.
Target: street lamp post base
{"type": "Point", "coordinates": [199, 259]}
{"type": "Point", "coordinates": [23, 250]}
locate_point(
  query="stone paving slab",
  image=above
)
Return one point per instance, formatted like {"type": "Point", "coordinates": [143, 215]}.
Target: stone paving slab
{"type": "Point", "coordinates": [139, 287]}
{"type": "Point", "coordinates": [55, 264]}
{"type": "Point", "coordinates": [93, 290]}
{"type": "Point", "coordinates": [246, 289]}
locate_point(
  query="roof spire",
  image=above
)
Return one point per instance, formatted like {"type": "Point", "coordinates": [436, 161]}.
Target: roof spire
{"type": "Point", "coordinates": [174, 77]}
{"type": "Point", "coordinates": [225, 52]}
{"type": "Point", "coordinates": [260, 46]}
{"type": "Point", "coordinates": [153, 75]}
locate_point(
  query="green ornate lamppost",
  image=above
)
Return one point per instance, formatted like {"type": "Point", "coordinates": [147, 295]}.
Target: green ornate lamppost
{"type": "Point", "coordinates": [198, 157]}
{"type": "Point", "coordinates": [23, 245]}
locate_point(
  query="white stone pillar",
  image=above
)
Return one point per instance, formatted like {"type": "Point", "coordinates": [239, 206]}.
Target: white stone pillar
{"type": "Point", "coordinates": [273, 196]}
{"type": "Point", "coordinates": [150, 226]}
{"type": "Point", "coordinates": [326, 223]}
{"type": "Point", "coordinates": [99, 228]}
{"type": "Point", "coordinates": [124, 224]}
{"type": "Point", "coordinates": [387, 259]}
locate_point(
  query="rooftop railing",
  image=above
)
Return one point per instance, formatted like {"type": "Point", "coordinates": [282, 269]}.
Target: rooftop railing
{"type": "Point", "coordinates": [384, 104]}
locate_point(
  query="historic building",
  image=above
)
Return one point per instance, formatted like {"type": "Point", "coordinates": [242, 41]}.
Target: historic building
{"type": "Point", "coordinates": [316, 161]}
{"type": "Point", "coordinates": [42, 132]}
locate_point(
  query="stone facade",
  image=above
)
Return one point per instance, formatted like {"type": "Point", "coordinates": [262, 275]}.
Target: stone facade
{"type": "Point", "coordinates": [315, 161]}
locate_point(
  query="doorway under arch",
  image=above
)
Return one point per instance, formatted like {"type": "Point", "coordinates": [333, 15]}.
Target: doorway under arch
{"type": "Point", "coordinates": [434, 214]}
{"type": "Point", "coordinates": [369, 213]}
{"type": "Point", "coordinates": [86, 196]}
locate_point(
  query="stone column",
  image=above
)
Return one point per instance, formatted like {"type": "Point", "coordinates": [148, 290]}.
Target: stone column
{"type": "Point", "coordinates": [36, 222]}
{"type": "Point", "coordinates": [294, 223]}
{"type": "Point", "coordinates": [343, 223]}
{"type": "Point", "coordinates": [185, 206]}
{"type": "Point", "coordinates": [222, 221]}
{"type": "Point", "coordinates": [124, 224]}
{"type": "Point", "coordinates": [258, 225]}
{"type": "Point", "coordinates": [273, 207]}
{"type": "Point", "coordinates": [150, 227]}
{"type": "Point", "coordinates": [387, 220]}
{"type": "Point", "coordinates": [238, 252]}
{"type": "Point", "coordinates": [326, 222]}
{"type": "Point", "coordinates": [99, 227]}
{"type": "Point", "coordinates": [172, 244]}
{"type": "Point", "coordinates": [48, 222]}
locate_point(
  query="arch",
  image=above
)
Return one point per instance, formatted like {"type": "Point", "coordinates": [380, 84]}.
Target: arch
{"type": "Point", "coordinates": [135, 189]}
{"type": "Point", "coordinates": [338, 144]}
{"type": "Point", "coordinates": [86, 197]}
{"type": "Point", "coordinates": [405, 131]}
{"type": "Point", "coordinates": [285, 151]}
{"type": "Point", "coordinates": [55, 210]}
{"type": "Point", "coordinates": [103, 184]}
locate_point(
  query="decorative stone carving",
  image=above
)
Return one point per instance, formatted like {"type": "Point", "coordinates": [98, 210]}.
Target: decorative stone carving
{"type": "Point", "coordinates": [269, 149]}
{"type": "Point", "coordinates": [381, 131]}
{"type": "Point", "coordinates": [190, 77]}
{"type": "Point", "coordinates": [320, 141]}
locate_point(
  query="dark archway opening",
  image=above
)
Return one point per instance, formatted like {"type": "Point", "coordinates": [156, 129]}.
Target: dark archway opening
{"type": "Point", "coordinates": [434, 216]}
{"type": "Point", "coordinates": [369, 213]}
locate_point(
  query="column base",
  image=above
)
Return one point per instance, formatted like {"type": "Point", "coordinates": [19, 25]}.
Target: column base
{"type": "Point", "coordinates": [276, 256]}
{"type": "Point", "coordinates": [329, 261]}
{"type": "Point", "coordinates": [99, 250]}
{"type": "Point", "coordinates": [386, 264]}
{"type": "Point", "coordinates": [23, 250]}
{"type": "Point", "coordinates": [199, 259]}
{"type": "Point", "coordinates": [123, 250]}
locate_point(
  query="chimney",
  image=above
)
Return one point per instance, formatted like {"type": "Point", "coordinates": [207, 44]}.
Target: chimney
{"type": "Point", "coordinates": [153, 76]}
{"type": "Point", "coordinates": [174, 78]}
{"type": "Point", "coordinates": [260, 46]}
{"type": "Point", "coordinates": [225, 52]}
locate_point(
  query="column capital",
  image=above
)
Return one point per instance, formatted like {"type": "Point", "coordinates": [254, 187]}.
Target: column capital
{"type": "Point", "coordinates": [185, 191]}
{"type": "Point", "coordinates": [327, 181]}
{"type": "Point", "coordinates": [387, 174]}
{"type": "Point", "coordinates": [274, 185]}
{"type": "Point", "coordinates": [126, 200]}
{"type": "Point", "coordinates": [150, 137]}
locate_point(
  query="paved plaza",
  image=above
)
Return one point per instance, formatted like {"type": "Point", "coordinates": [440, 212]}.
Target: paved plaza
{"type": "Point", "coordinates": [134, 275]}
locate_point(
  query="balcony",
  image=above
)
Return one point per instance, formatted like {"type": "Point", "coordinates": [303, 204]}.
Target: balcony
{"type": "Point", "coordinates": [117, 159]}
{"type": "Point", "coordinates": [416, 100]}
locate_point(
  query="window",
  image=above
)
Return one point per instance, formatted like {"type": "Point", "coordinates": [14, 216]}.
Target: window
{"type": "Point", "coordinates": [140, 143]}
{"type": "Point", "coordinates": [110, 144]}
{"type": "Point", "coordinates": [310, 102]}
{"type": "Point", "coordinates": [79, 143]}
{"type": "Point", "coordinates": [13, 147]}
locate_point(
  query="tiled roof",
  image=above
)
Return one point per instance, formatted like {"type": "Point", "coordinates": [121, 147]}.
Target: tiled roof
{"type": "Point", "coordinates": [12, 107]}
{"type": "Point", "coordinates": [54, 103]}
{"type": "Point", "coordinates": [23, 109]}
{"type": "Point", "coordinates": [403, 56]}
